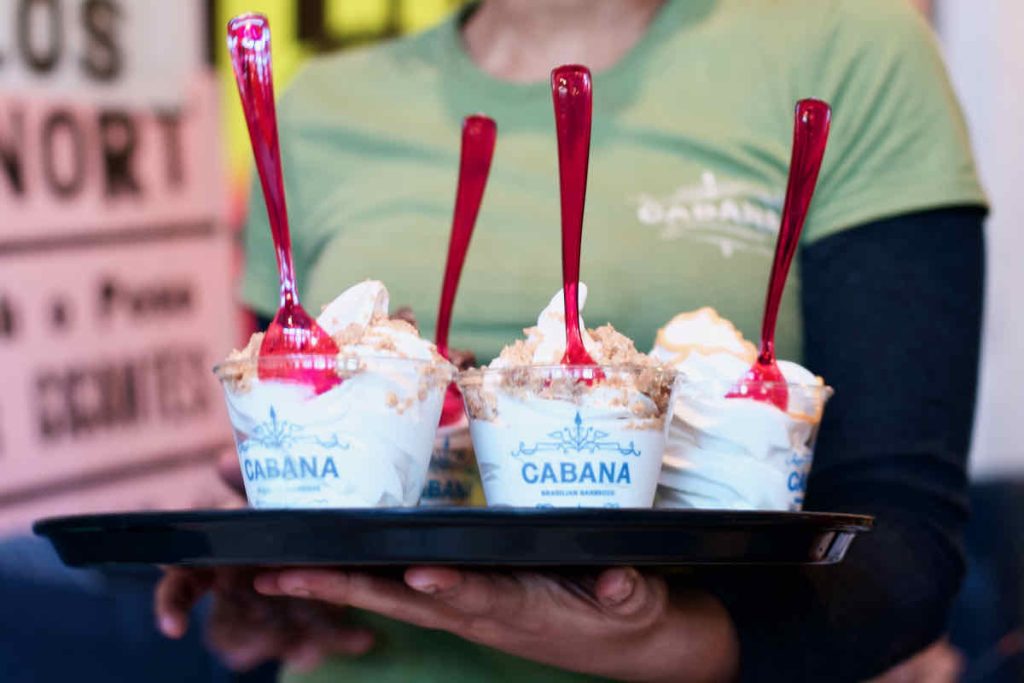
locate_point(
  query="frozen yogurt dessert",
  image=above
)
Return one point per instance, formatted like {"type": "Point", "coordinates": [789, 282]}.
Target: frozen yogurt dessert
{"type": "Point", "coordinates": [733, 453]}
{"type": "Point", "coordinates": [548, 435]}
{"type": "Point", "coordinates": [364, 442]}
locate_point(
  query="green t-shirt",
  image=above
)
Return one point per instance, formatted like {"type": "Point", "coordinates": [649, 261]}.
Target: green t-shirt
{"type": "Point", "coordinates": [690, 151]}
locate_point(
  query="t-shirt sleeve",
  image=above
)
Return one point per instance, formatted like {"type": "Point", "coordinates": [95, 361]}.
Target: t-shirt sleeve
{"type": "Point", "coordinates": [899, 142]}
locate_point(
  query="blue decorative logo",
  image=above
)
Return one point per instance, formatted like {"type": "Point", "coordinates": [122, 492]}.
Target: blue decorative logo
{"type": "Point", "coordinates": [797, 481]}
{"type": "Point", "coordinates": [577, 439]}
{"type": "Point", "coordinates": [284, 435]}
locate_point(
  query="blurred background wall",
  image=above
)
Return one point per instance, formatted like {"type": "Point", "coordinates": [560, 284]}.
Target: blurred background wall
{"type": "Point", "coordinates": [981, 39]}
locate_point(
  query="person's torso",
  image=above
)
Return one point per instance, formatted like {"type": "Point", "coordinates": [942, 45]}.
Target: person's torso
{"type": "Point", "coordinates": [688, 168]}
{"type": "Point", "coordinates": [687, 172]}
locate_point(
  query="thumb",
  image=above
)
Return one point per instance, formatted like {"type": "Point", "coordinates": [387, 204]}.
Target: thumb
{"type": "Point", "coordinates": [622, 590]}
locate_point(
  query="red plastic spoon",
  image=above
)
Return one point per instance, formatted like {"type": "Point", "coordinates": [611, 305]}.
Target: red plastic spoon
{"type": "Point", "coordinates": [571, 92]}
{"type": "Point", "coordinates": [293, 331]}
{"type": "Point", "coordinates": [479, 133]}
{"type": "Point", "coordinates": [810, 135]}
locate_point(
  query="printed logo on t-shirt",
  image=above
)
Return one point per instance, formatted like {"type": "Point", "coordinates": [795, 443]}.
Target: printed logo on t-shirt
{"type": "Point", "coordinates": [732, 215]}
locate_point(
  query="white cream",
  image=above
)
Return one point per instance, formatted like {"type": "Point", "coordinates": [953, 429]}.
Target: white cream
{"type": "Point", "coordinates": [363, 310]}
{"type": "Point", "coordinates": [547, 441]}
{"type": "Point", "coordinates": [734, 453]}
{"type": "Point", "coordinates": [366, 442]}
{"type": "Point", "coordinates": [547, 339]}
{"type": "Point", "coordinates": [702, 330]}
{"type": "Point", "coordinates": [357, 305]}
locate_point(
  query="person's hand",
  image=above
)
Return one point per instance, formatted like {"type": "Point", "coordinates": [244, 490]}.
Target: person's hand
{"type": "Point", "coordinates": [623, 625]}
{"type": "Point", "coordinates": [246, 629]}
{"type": "Point", "coordinates": [230, 471]}
{"type": "Point", "coordinates": [940, 663]}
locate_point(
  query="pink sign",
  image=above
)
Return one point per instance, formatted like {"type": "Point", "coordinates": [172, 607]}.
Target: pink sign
{"type": "Point", "coordinates": [115, 279]}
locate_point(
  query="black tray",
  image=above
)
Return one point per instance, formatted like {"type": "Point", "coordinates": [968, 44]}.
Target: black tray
{"type": "Point", "coordinates": [467, 536]}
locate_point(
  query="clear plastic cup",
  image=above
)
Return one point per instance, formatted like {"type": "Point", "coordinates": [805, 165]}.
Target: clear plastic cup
{"type": "Point", "coordinates": [453, 479]}
{"type": "Point", "coordinates": [364, 443]}
{"type": "Point", "coordinates": [567, 436]}
{"type": "Point", "coordinates": [738, 453]}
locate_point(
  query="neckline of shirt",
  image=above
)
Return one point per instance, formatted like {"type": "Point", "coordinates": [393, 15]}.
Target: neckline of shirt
{"type": "Point", "coordinates": [456, 62]}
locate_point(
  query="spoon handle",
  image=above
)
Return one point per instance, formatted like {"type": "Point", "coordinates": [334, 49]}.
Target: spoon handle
{"type": "Point", "coordinates": [810, 134]}
{"type": "Point", "coordinates": [573, 100]}
{"type": "Point", "coordinates": [249, 47]}
{"type": "Point", "coordinates": [479, 133]}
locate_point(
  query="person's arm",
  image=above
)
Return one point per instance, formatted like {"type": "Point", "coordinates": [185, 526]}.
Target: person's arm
{"type": "Point", "coordinates": [892, 315]}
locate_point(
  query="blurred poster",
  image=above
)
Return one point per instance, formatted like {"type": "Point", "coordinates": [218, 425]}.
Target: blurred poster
{"type": "Point", "coordinates": [115, 267]}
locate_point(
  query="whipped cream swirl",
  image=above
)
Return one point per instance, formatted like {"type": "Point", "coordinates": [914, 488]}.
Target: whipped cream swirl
{"type": "Point", "coordinates": [365, 442]}
{"type": "Point", "coordinates": [545, 342]}
{"type": "Point", "coordinates": [733, 453]}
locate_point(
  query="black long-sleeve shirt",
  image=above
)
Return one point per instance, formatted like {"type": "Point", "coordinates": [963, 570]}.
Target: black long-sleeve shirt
{"type": "Point", "coordinates": [892, 316]}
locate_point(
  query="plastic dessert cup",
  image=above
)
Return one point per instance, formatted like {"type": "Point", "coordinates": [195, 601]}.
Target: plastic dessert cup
{"type": "Point", "coordinates": [546, 437]}
{"type": "Point", "coordinates": [364, 443]}
{"type": "Point", "coordinates": [740, 454]}
{"type": "Point", "coordinates": [453, 479]}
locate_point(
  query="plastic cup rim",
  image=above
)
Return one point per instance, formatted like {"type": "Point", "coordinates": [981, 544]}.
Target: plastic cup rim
{"type": "Point", "coordinates": [582, 370]}
{"type": "Point", "coordinates": [351, 363]}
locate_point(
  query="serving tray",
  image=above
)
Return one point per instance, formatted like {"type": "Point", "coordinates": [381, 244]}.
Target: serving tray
{"type": "Point", "coordinates": [456, 536]}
